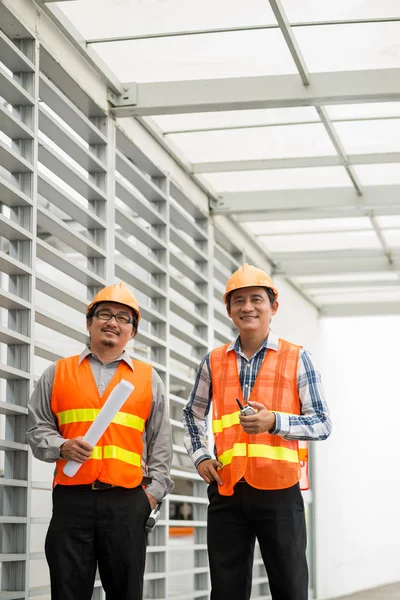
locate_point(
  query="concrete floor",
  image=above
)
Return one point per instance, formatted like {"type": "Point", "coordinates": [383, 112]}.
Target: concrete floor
{"type": "Point", "coordinates": [386, 592]}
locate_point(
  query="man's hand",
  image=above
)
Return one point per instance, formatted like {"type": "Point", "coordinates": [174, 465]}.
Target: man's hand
{"type": "Point", "coordinates": [76, 449]}
{"type": "Point", "coordinates": [264, 420]}
{"type": "Point", "coordinates": [207, 469]}
{"type": "Point", "coordinates": [152, 501]}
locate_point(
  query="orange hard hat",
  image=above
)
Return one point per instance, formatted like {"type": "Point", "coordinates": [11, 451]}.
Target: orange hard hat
{"type": "Point", "coordinates": [249, 276]}
{"type": "Point", "coordinates": [116, 293]}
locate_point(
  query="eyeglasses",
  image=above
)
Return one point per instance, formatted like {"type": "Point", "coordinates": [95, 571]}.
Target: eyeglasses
{"type": "Point", "coordinates": [106, 315]}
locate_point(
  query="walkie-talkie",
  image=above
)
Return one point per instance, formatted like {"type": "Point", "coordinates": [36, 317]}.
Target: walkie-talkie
{"type": "Point", "coordinates": [245, 410]}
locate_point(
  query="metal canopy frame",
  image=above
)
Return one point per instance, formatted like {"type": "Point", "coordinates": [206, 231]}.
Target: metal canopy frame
{"type": "Point", "coordinates": [149, 99]}
{"type": "Point", "coordinates": [274, 91]}
{"type": "Point", "coordinates": [304, 89]}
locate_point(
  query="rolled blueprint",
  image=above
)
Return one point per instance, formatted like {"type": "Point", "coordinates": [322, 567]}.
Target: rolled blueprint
{"type": "Point", "coordinates": [112, 405]}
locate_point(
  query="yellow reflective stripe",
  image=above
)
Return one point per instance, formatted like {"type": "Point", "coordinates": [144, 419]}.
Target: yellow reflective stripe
{"type": "Point", "coordinates": [225, 421]}
{"type": "Point", "coordinates": [259, 451]}
{"type": "Point", "coordinates": [238, 450]}
{"type": "Point", "coordinates": [272, 452]}
{"type": "Point", "coordinates": [77, 415]}
{"type": "Point", "coordinates": [121, 454]}
{"type": "Point", "coordinates": [97, 453]}
{"type": "Point", "coordinates": [129, 420]}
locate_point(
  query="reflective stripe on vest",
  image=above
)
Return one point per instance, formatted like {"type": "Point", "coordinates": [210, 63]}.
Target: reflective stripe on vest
{"type": "Point", "coordinates": [117, 456]}
{"type": "Point", "coordinates": [266, 461]}
{"type": "Point", "coordinates": [225, 421]}
{"type": "Point", "coordinates": [259, 450]}
{"type": "Point", "coordinates": [131, 458]}
{"type": "Point", "coordinates": [89, 414]}
{"type": "Point", "coordinates": [228, 420]}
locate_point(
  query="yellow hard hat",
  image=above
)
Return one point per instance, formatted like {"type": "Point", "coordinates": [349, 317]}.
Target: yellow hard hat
{"type": "Point", "coordinates": [116, 293]}
{"type": "Point", "coordinates": [249, 276]}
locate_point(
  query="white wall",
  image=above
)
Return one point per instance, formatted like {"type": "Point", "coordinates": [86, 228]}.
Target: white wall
{"type": "Point", "coordinates": [296, 320]}
{"type": "Point", "coordinates": [357, 483]}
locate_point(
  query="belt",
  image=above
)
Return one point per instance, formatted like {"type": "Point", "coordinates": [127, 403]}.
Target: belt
{"type": "Point", "coordinates": [101, 485]}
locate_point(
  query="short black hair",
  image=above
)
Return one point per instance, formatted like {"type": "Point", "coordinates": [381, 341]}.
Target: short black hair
{"type": "Point", "coordinates": [270, 293]}
{"type": "Point", "coordinates": [135, 318]}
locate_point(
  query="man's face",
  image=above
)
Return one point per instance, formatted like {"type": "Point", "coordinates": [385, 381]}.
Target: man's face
{"type": "Point", "coordinates": [250, 309]}
{"type": "Point", "coordinates": [110, 333]}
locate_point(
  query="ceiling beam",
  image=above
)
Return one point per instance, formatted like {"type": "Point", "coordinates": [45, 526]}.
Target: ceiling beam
{"type": "Point", "coordinates": [283, 123]}
{"type": "Point", "coordinates": [335, 139]}
{"type": "Point", "coordinates": [337, 144]}
{"type": "Point", "coordinates": [243, 93]}
{"type": "Point", "coordinates": [311, 213]}
{"type": "Point", "coordinates": [369, 285]}
{"type": "Point", "coordinates": [218, 30]}
{"type": "Point", "coordinates": [294, 163]}
{"type": "Point", "coordinates": [307, 231]}
{"type": "Point", "coordinates": [280, 200]}
{"type": "Point", "coordinates": [290, 40]}
{"type": "Point", "coordinates": [332, 255]}
{"type": "Point", "coordinates": [299, 264]}
{"type": "Point", "coordinates": [347, 265]}
{"type": "Point", "coordinates": [360, 309]}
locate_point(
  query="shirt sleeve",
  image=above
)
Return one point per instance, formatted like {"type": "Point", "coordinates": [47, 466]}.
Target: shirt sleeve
{"type": "Point", "coordinates": [314, 422]}
{"type": "Point", "coordinates": [158, 438]}
{"type": "Point", "coordinates": [43, 434]}
{"type": "Point", "coordinates": [195, 414]}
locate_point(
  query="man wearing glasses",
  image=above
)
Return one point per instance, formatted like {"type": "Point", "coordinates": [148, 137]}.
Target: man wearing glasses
{"type": "Point", "coordinates": [99, 514]}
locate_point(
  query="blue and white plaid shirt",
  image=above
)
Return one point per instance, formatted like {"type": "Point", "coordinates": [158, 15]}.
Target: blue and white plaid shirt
{"type": "Point", "coordinates": [313, 423]}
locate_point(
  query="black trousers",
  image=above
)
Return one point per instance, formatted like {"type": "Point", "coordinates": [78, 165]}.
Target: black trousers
{"type": "Point", "coordinates": [276, 519]}
{"type": "Point", "coordinates": [103, 528]}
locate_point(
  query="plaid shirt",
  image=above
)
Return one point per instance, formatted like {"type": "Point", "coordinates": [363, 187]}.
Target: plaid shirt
{"type": "Point", "coordinates": [313, 423]}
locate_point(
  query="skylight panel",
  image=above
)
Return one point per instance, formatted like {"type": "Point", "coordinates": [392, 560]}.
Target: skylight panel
{"type": "Point", "coordinates": [389, 221]}
{"type": "Point", "coordinates": [370, 136]}
{"type": "Point", "coordinates": [320, 10]}
{"type": "Point", "coordinates": [347, 277]}
{"type": "Point", "coordinates": [350, 47]}
{"type": "Point", "coordinates": [320, 241]}
{"type": "Point", "coordinates": [306, 226]}
{"type": "Point", "coordinates": [108, 18]}
{"type": "Point", "coordinates": [248, 144]}
{"type": "Point", "coordinates": [392, 237]}
{"type": "Point", "coordinates": [234, 54]}
{"type": "Point", "coordinates": [235, 118]}
{"type": "Point", "coordinates": [279, 179]}
{"type": "Point", "coordinates": [380, 174]}
{"type": "Point", "coordinates": [369, 110]}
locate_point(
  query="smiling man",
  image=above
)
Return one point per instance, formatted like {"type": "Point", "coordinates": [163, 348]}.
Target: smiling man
{"type": "Point", "coordinates": [99, 515]}
{"type": "Point", "coordinates": [254, 478]}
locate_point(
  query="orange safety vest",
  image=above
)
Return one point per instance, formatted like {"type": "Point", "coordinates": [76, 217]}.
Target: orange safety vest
{"type": "Point", "coordinates": [265, 461]}
{"type": "Point", "coordinates": [76, 402]}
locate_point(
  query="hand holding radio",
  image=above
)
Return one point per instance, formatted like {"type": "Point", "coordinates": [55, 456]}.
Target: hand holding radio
{"type": "Point", "coordinates": [246, 409]}
{"type": "Point", "coordinates": [260, 420]}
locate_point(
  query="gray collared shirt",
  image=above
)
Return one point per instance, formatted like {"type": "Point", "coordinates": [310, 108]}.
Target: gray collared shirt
{"type": "Point", "coordinates": [45, 438]}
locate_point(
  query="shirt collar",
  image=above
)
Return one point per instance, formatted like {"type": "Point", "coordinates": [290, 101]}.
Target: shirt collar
{"type": "Point", "coordinates": [124, 356]}
{"type": "Point", "coordinates": [270, 343]}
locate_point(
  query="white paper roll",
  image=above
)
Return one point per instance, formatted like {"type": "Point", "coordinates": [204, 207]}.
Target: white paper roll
{"type": "Point", "coordinates": [115, 400]}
